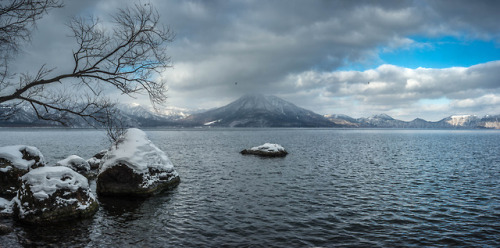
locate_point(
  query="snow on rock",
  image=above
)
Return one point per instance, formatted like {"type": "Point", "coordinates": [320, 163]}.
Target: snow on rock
{"type": "Point", "coordinates": [45, 181]}
{"type": "Point", "coordinates": [76, 163]}
{"type": "Point", "coordinates": [266, 150]}
{"type": "Point", "coordinates": [16, 161]}
{"type": "Point", "coordinates": [5, 207]}
{"type": "Point", "coordinates": [20, 157]}
{"type": "Point", "coordinates": [95, 161]}
{"type": "Point", "coordinates": [268, 147]}
{"type": "Point", "coordinates": [52, 194]}
{"type": "Point", "coordinates": [133, 165]}
{"type": "Point", "coordinates": [4, 203]}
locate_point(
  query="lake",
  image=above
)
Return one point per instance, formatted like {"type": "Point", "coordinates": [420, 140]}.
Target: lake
{"type": "Point", "coordinates": [336, 188]}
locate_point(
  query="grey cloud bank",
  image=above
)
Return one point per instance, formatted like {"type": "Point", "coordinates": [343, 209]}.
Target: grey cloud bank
{"type": "Point", "coordinates": [293, 49]}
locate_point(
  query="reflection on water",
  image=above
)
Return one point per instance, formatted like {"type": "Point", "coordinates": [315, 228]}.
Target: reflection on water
{"type": "Point", "coordinates": [335, 188]}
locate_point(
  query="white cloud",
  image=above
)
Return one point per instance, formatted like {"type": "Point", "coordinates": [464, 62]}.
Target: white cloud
{"type": "Point", "coordinates": [390, 88]}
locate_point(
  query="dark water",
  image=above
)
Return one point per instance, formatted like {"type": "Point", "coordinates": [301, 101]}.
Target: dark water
{"type": "Point", "coordinates": [336, 188]}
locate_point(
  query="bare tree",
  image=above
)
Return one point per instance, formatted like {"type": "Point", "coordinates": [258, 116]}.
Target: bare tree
{"type": "Point", "coordinates": [17, 19]}
{"type": "Point", "coordinates": [129, 57]}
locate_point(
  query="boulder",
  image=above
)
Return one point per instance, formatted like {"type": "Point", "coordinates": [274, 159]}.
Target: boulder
{"type": "Point", "coordinates": [134, 166]}
{"type": "Point", "coordinates": [76, 163]}
{"type": "Point", "coordinates": [266, 150]}
{"type": "Point", "coordinates": [53, 194]}
{"type": "Point", "coordinates": [15, 161]}
{"type": "Point", "coordinates": [95, 161]}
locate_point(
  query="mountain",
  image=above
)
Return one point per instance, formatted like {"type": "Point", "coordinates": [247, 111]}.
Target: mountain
{"type": "Point", "coordinates": [254, 110]}
{"type": "Point", "coordinates": [451, 122]}
{"type": "Point", "coordinates": [18, 117]}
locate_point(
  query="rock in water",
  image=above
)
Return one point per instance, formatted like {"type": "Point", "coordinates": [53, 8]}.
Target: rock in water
{"type": "Point", "coordinates": [53, 194]}
{"type": "Point", "coordinates": [134, 166]}
{"type": "Point", "coordinates": [266, 150]}
{"type": "Point", "coordinates": [76, 163]}
{"type": "Point", "coordinates": [95, 161]}
{"type": "Point", "coordinates": [15, 161]}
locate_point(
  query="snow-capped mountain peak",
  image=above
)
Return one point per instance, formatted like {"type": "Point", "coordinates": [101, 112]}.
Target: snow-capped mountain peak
{"type": "Point", "coordinates": [255, 110]}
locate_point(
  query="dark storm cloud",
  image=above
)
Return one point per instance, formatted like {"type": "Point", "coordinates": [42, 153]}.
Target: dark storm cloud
{"type": "Point", "coordinates": [261, 42]}
{"type": "Point", "coordinates": [480, 18]}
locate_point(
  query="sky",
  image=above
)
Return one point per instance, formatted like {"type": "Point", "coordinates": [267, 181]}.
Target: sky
{"type": "Point", "coordinates": [408, 59]}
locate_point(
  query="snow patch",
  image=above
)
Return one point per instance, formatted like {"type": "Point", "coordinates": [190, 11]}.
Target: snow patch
{"type": "Point", "coordinates": [14, 155]}
{"type": "Point", "coordinates": [459, 120]}
{"type": "Point", "coordinates": [44, 181]}
{"type": "Point", "coordinates": [212, 122]}
{"type": "Point", "coordinates": [492, 124]}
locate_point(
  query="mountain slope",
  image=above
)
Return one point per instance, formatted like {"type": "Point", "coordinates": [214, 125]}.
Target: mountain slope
{"type": "Point", "coordinates": [259, 111]}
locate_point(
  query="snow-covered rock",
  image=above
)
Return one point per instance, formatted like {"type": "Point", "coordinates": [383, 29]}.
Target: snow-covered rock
{"type": "Point", "coordinates": [52, 194]}
{"type": "Point", "coordinates": [95, 161]}
{"type": "Point", "coordinates": [266, 150]}
{"type": "Point", "coordinates": [76, 163]}
{"type": "Point", "coordinates": [15, 161]}
{"type": "Point", "coordinates": [4, 203]}
{"type": "Point", "coordinates": [134, 166]}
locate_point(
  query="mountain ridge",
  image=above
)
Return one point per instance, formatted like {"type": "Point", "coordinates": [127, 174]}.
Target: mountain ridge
{"type": "Point", "coordinates": [255, 110]}
{"type": "Point", "coordinates": [450, 122]}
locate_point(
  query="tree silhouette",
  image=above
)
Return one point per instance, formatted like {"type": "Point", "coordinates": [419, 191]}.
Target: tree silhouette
{"type": "Point", "coordinates": [128, 57]}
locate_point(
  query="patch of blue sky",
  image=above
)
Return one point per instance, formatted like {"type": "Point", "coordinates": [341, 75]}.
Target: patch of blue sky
{"type": "Point", "coordinates": [443, 52]}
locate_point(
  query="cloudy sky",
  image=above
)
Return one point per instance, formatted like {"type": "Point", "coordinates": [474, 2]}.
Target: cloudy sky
{"type": "Point", "coordinates": [408, 59]}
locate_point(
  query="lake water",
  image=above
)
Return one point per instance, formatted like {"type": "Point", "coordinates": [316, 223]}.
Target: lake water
{"type": "Point", "coordinates": [336, 188]}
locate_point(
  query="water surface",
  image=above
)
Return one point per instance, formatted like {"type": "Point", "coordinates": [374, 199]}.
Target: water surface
{"type": "Point", "coordinates": [336, 188]}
